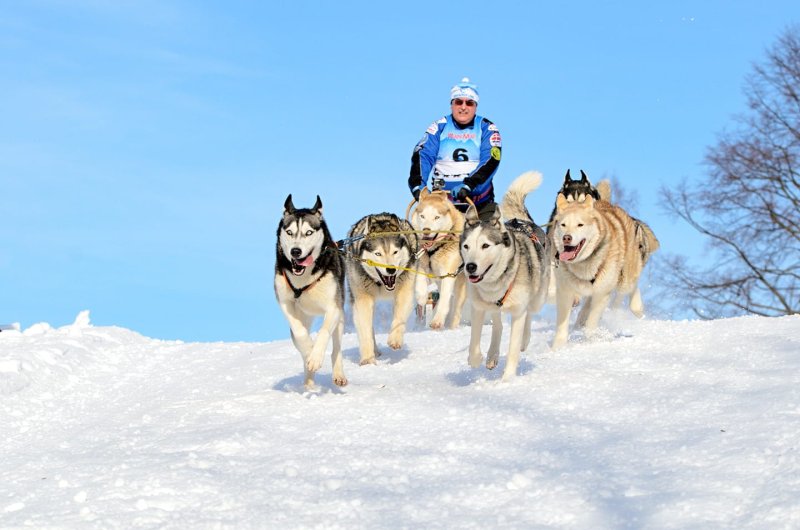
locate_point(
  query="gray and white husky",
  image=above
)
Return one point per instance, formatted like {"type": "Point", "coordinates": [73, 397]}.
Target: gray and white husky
{"type": "Point", "coordinates": [381, 248]}
{"type": "Point", "coordinates": [309, 281]}
{"type": "Point", "coordinates": [504, 264]}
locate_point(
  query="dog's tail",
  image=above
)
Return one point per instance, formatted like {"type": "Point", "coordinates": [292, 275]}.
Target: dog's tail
{"type": "Point", "coordinates": [604, 190]}
{"type": "Point", "coordinates": [513, 205]}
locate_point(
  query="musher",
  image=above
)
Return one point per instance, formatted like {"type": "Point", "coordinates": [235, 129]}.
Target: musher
{"type": "Point", "coordinates": [460, 152]}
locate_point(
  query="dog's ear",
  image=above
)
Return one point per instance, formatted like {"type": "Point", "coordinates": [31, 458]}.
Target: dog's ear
{"type": "Point", "coordinates": [288, 205]}
{"type": "Point", "coordinates": [424, 192]}
{"type": "Point", "coordinates": [584, 178]}
{"type": "Point", "coordinates": [561, 202]}
{"type": "Point", "coordinates": [567, 178]}
{"type": "Point", "coordinates": [471, 217]}
{"type": "Point", "coordinates": [317, 206]}
{"type": "Point", "coordinates": [506, 239]}
{"type": "Point", "coordinates": [496, 217]}
{"type": "Point", "coordinates": [589, 202]}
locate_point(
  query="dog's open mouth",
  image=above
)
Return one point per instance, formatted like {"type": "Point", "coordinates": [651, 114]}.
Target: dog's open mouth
{"type": "Point", "coordinates": [571, 252]}
{"type": "Point", "coordinates": [429, 240]}
{"type": "Point", "coordinates": [299, 266]}
{"type": "Point", "coordinates": [388, 280]}
{"type": "Point", "coordinates": [476, 278]}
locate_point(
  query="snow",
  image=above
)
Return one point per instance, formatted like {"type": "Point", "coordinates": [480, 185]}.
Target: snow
{"type": "Point", "coordinates": [652, 424]}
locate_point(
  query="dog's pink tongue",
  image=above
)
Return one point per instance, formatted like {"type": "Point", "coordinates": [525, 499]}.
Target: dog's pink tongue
{"type": "Point", "coordinates": [306, 262]}
{"type": "Point", "coordinates": [568, 255]}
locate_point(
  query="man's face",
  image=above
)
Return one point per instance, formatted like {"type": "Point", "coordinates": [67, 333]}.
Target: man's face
{"type": "Point", "coordinates": [463, 110]}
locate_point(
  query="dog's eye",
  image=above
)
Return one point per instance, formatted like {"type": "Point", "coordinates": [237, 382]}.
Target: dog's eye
{"type": "Point", "coordinates": [436, 218]}
{"type": "Point", "coordinates": [289, 233]}
{"type": "Point", "coordinates": [378, 254]}
{"type": "Point", "coordinates": [580, 225]}
{"type": "Point", "coordinates": [466, 247]}
{"type": "Point", "coordinates": [485, 246]}
{"type": "Point", "coordinates": [308, 233]}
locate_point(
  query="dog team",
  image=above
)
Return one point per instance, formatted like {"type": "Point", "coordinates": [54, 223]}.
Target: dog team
{"type": "Point", "coordinates": [460, 238]}
{"type": "Point", "coordinates": [593, 250]}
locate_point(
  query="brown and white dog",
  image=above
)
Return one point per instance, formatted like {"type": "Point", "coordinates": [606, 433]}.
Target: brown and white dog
{"type": "Point", "coordinates": [440, 225]}
{"type": "Point", "coordinates": [601, 251]}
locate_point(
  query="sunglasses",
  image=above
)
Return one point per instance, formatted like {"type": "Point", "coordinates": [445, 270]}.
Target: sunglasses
{"type": "Point", "coordinates": [467, 102]}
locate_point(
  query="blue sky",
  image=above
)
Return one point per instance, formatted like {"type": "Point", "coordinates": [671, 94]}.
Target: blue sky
{"type": "Point", "coordinates": [147, 147]}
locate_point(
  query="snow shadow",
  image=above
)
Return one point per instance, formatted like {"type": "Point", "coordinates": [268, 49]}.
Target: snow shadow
{"type": "Point", "coordinates": [471, 376]}
{"type": "Point", "coordinates": [385, 355]}
{"type": "Point", "coordinates": [294, 385]}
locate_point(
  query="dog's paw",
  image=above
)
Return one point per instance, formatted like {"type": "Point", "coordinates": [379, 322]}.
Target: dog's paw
{"type": "Point", "coordinates": [395, 342]}
{"type": "Point", "coordinates": [314, 363]}
{"type": "Point", "coordinates": [491, 363]}
{"type": "Point", "coordinates": [508, 376]}
{"type": "Point", "coordinates": [367, 360]}
{"type": "Point", "coordinates": [475, 360]}
{"type": "Point", "coordinates": [437, 323]}
{"type": "Point", "coordinates": [339, 380]}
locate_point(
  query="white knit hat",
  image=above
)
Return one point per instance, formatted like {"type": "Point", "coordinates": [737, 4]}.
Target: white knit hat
{"type": "Point", "coordinates": [464, 90]}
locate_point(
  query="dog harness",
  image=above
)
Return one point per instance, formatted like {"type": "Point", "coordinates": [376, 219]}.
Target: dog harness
{"type": "Point", "coordinates": [526, 227]}
{"type": "Point", "coordinates": [502, 301]}
{"type": "Point", "coordinates": [298, 292]}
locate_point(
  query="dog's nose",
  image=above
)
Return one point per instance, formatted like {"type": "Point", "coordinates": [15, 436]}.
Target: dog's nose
{"type": "Point", "coordinates": [471, 268]}
{"type": "Point", "coordinates": [296, 252]}
{"type": "Point", "coordinates": [390, 271]}
{"type": "Point", "coordinates": [567, 239]}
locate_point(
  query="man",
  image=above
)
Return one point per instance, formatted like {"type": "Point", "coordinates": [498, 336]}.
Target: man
{"type": "Point", "coordinates": [462, 151]}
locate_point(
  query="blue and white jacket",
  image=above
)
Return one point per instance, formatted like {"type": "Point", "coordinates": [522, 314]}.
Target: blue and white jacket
{"type": "Point", "coordinates": [457, 154]}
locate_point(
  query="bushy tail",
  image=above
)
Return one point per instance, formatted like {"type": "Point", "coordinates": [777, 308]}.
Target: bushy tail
{"type": "Point", "coordinates": [604, 190]}
{"type": "Point", "coordinates": [513, 205]}
{"type": "Point", "coordinates": [648, 243]}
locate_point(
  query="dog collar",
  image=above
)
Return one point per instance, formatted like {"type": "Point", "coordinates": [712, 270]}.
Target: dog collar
{"type": "Point", "coordinates": [502, 301]}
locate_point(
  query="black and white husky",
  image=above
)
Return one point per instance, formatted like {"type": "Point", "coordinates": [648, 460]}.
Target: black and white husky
{"type": "Point", "coordinates": [504, 264]}
{"type": "Point", "coordinates": [309, 281]}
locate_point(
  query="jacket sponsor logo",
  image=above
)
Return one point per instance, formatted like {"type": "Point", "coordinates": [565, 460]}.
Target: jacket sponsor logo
{"type": "Point", "coordinates": [460, 136]}
{"type": "Point", "coordinates": [494, 140]}
{"type": "Point", "coordinates": [492, 127]}
{"type": "Point", "coordinates": [496, 153]}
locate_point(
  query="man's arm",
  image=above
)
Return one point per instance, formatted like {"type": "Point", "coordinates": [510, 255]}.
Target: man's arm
{"type": "Point", "coordinates": [491, 149]}
{"type": "Point", "coordinates": [424, 157]}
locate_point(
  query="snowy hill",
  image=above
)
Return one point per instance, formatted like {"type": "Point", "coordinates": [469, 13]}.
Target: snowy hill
{"type": "Point", "coordinates": [655, 424]}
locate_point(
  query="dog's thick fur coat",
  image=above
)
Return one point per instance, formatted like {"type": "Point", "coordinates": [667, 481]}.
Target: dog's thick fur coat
{"type": "Point", "coordinates": [381, 248]}
{"type": "Point", "coordinates": [309, 281]}
{"type": "Point", "coordinates": [438, 220]}
{"type": "Point", "coordinates": [601, 250]}
{"type": "Point", "coordinates": [505, 267]}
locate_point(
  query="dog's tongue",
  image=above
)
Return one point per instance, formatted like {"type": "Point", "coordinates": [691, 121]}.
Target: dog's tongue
{"type": "Point", "coordinates": [568, 255]}
{"type": "Point", "coordinates": [308, 261]}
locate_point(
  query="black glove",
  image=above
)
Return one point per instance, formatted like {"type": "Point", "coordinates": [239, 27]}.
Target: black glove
{"type": "Point", "coordinates": [461, 192]}
{"type": "Point", "coordinates": [415, 193]}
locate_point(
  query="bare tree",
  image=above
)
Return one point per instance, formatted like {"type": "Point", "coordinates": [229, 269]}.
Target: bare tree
{"type": "Point", "coordinates": [749, 207]}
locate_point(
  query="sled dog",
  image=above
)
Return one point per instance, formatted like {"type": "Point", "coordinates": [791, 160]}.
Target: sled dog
{"type": "Point", "coordinates": [381, 248]}
{"type": "Point", "coordinates": [504, 264]}
{"type": "Point", "coordinates": [571, 190]}
{"type": "Point", "coordinates": [601, 250]}
{"type": "Point", "coordinates": [438, 220]}
{"type": "Point", "coordinates": [309, 281]}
